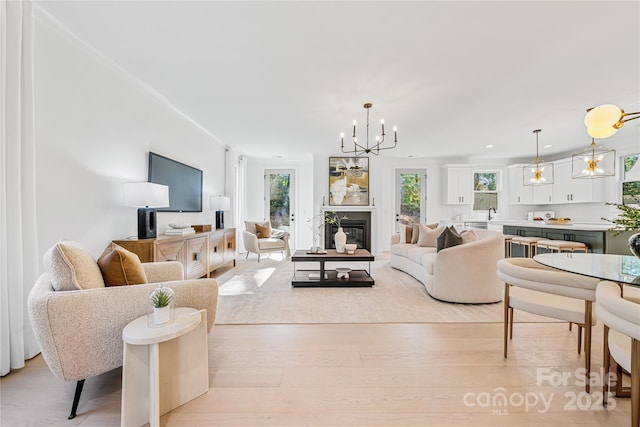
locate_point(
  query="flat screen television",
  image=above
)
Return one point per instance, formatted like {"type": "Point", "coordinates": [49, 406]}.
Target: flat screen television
{"type": "Point", "coordinates": [184, 181]}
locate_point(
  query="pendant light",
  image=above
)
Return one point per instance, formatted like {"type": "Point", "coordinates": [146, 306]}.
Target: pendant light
{"type": "Point", "coordinates": [595, 161]}
{"type": "Point", "coordinates": [538, 172]}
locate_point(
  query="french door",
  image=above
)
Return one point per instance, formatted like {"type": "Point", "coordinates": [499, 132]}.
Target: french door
{"type": "Point", "coordinates": [280, 200]}
{"type": "Point", "coordinates": [411, 196]}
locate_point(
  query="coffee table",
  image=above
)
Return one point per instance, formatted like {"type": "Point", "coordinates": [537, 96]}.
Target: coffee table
{"type": "Point", "coordinates": [328, 278]}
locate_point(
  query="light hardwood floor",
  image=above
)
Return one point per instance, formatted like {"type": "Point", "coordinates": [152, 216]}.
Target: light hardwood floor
{"type": "Point", "coordinates": [352, 375]}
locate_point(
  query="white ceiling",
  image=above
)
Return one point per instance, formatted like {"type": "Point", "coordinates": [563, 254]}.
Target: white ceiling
{"type": "Point", "coordinates": [285, 78]}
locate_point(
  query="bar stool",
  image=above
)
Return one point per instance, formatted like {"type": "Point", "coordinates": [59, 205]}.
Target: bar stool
{"type": "Point", "coordinates": [562, 245]}
{"type": "Point", "coordinates": [507, 245]}
{"type": "Point", "coordinates": [528, 242]}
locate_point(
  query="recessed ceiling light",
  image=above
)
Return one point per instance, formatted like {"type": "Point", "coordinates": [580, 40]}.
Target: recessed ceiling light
{"type": "Point", "coordinates": [489, 146]}
{"type": "Point", "coordinates": [547, 146]}
{"type": "Point", "coordinates": [410, 155]}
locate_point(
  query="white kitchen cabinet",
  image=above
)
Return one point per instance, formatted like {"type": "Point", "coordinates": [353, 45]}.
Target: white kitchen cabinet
{"type": "Point", "coordinates": [459, 185]}
{"type": "Point", "coordinates": [519, 194]}
{"type": "Point", "coordinates": [569, 190]}
{"type": "Point", "coordinates": [543, 194]}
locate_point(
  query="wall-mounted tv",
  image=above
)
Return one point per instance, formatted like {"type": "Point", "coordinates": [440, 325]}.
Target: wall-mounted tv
{"type": "Point", "coordinates": [184, 181]}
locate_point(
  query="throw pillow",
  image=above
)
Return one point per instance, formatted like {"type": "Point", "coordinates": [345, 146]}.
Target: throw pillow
{"type": "Point", "coordinates": [429, 237]}
{"type": "Point", "coordinates": [121, 267]}
{"type": "Point", "coordinates": [468, 236]}
{"type": "Point", "coordinates": [263, 231]}
{"type": "Point", "coordinates": [406, 232]}
{"type": "Point", "coordinates": [448, 238]}
{"type": "Point", "coordinates": [72, 267]}
{"type": "Point", "coordinates": [415, 233]}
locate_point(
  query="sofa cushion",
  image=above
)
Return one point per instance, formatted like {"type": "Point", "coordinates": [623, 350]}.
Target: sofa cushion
{"type": "Point", "coordinates": [121, 267]}
{"type": "Point", "coordinates": [271, 243]}
{"type": "Point", "coordinates": [415, 233]}
{"type": "Point", "coordinates": [429, 237]}
{"type": "Point", "coordinates": [449, 238]}
{"type": "Point", "coordinates": [263, 231]}
{"type": "Point", "coordinates": [72, 267]}
{"type": "Point", "coordinates": [401, 249]}
{"type": "Point", "coordinates": [415, 253]}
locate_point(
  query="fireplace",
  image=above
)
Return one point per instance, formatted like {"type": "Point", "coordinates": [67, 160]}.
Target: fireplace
{"type": "Point", "coordinates": [357, 227]}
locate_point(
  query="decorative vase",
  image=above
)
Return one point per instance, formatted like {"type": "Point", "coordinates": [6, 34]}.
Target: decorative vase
{"type": "Point", "coordinates": [634, 244]}
{"type": "Point", "coordinates": [161, 315]}
{"type": "Point", "coordinates": [341, 239]}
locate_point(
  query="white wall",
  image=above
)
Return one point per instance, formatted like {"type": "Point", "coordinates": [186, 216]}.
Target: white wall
{"type": "Point", "coordinates": [94, 127]}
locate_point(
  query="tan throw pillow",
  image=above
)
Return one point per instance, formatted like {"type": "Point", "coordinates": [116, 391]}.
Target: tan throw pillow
{"type": "Point", "coordinates": [468, 236]}
{"type": "Point", "coordinates": [429, 237]}
{"type": "Point", "coordinates": [72, 267]}
{"type": "Point", "coordinates": [406, 232]}
{"type": "Point", "coordinates": [415, 233]}
{"type": "Point", "coordinates": [121, 267]}
{"type": "Point", "coordinates": [263, 231]}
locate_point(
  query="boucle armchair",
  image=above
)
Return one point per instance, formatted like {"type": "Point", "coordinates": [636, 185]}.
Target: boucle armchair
{"type": "Point", "coordinates": [80, 331]}
{"type": "Point", "coordinates": [274, 241]}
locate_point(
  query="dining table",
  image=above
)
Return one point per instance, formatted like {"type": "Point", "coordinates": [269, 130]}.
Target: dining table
{"type": "Point", "coordinates": [622, 269]}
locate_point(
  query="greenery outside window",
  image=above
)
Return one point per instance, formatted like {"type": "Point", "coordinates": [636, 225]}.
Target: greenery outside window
{"type": "Point", "coordinates": [485, 190]}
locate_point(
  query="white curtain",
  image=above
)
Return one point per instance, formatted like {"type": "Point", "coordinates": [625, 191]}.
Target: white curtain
{"type": "Point", "coordinates": [19, 260]}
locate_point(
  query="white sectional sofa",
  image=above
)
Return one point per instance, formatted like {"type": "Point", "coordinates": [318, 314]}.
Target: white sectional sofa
{"type": "Point", "coordinates": [465, 273]}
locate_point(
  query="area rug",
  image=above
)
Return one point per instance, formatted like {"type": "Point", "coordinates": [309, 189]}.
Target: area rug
{"type": "Point", "coordinates": [261, 293]}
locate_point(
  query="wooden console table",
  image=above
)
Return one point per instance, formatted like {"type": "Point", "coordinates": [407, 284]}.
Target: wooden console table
{"type": "Point", "coordinates": [199, 253]}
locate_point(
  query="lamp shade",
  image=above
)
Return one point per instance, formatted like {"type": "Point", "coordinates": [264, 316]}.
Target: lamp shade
{"type": "Point", "coordinates": [146, 194]}
{"type": "Point", "coordinates": [602, 121]}
{"type": "Point", "coordinates": [594, 162]}
{"type": "Point", "coordinates": [220, 203]}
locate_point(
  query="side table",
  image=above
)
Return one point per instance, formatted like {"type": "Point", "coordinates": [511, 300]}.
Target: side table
{"type": "Point", "coordinates": [163, 367]}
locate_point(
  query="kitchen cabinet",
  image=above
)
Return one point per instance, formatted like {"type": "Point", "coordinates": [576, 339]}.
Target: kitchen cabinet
{"type": "Point", "coordinates": [520, 194]}
{"type": "Point", "coordinates": [459, 185]}
{"type": "Point", "coordinates": [569, 190]}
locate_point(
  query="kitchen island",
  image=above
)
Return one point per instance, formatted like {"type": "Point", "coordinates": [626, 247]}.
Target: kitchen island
{"type": "Point", "coordinates": [595, 234]}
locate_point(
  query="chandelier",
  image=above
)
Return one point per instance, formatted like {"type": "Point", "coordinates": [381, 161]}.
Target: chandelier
{"type": "Point", "coordinates": [360, 149]}
{"type": "Point", "coordinates": [537, 173]}
{"type": "Point", "coordinates": [595, 161]}
{"type": "Point", "coordinates": [605, 120]}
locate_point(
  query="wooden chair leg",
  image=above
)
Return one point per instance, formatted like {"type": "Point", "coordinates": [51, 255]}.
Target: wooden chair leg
{"type": "Point", "coordinates": [588, 317]}
{"type": "Point", "coordinates": [570, 325]}
{"type": "Point", "coordinates": [511, 323]}
{"type": "Point", "coordinates": [579, 338]}
{"type": "Point", "coordinates": [506, 317]}
{"type": "Point", "coordinates": [606, 364]}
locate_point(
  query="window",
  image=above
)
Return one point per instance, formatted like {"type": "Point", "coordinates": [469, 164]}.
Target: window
{"type": "Point", "coordinates": [485, 190]}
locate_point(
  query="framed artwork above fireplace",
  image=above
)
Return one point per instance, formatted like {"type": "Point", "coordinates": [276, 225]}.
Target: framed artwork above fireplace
{"type": "Point", "coordinates": [348, 181]}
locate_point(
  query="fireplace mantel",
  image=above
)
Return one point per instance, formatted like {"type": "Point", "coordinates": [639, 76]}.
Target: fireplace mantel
{"type": "Point", "coordinates": [348, 208]}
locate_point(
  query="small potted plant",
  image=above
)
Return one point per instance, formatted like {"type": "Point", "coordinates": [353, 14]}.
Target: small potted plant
{"type": "Point", "coordinates": [628, 220]}
{"type": "Point", "coordinates": [162, 301]}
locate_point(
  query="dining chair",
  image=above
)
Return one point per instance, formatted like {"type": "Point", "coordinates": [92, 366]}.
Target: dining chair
{"type": "Point", "coordinates": [621, 319]}
{"type": "Point", "coordinates": [535, 288]}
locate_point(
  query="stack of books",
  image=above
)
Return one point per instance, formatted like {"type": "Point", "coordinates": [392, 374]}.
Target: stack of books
{"type": "Point", "coordinates": [180, 231]}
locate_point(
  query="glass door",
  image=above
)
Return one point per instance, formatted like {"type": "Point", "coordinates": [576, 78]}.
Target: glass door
{"type": "Point", "coordinates": [280, 200]}
{"type": "Point", "coordinates": [411, 196]}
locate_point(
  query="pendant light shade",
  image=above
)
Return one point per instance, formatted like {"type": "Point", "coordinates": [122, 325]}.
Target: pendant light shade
{"type": "Point", "coordinates": [595, 161]}
{"type": "Point", "coordinates": [605, 120]}
{"type": "Point", "coordinates": [538, 172]}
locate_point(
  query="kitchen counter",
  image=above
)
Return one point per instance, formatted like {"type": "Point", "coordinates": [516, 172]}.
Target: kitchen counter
{"type": "Point", "coordinates": [578, 226]}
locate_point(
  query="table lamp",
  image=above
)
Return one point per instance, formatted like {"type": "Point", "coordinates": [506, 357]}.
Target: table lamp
{"type": "Point", "coordinates": [220, 204]}
{"type": "Point", "coordinates": [146, 196]}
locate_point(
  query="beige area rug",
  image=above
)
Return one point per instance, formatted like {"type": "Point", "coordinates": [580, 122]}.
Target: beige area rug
{"type": "Point", "coordinates": [261, 293]}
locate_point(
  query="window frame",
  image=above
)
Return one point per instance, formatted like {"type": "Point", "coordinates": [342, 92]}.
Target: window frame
{"type": "Point", "coordinates": [498, 191]}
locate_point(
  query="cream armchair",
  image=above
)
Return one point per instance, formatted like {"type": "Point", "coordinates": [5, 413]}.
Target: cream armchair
{"type": "Point", "coordinates": [278, 241]}
{"type": "Point", "coordinates": [80, 331]}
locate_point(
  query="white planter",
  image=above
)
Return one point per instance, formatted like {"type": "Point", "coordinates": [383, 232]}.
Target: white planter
{"type": "Point", "coordinates": [341, 239]}
{"type": "Point", "coordinates": [161, 315]}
